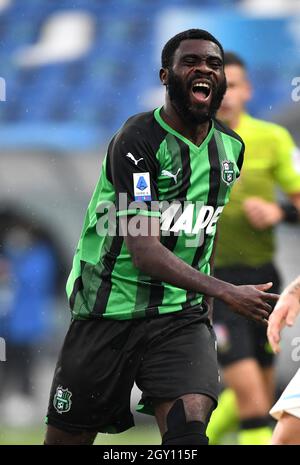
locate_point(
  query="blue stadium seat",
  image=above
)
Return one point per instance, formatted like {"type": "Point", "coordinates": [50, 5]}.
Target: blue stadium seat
{"type": "Point", "coordinates": [104, 87]}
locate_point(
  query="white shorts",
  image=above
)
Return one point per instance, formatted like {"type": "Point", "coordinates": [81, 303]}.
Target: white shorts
{"type": "Point", "coordinates": [289, 401]}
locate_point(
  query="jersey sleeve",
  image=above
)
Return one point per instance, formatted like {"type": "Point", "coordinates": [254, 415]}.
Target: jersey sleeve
{"type": "Point", "coordinates": [287, 167]}
{"type": "Point", "coordinates": [133, 170]}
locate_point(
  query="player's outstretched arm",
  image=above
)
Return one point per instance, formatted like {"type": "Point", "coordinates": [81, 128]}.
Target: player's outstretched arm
{"type": "Point", "coordinates": [284, 314]}
{"type": "Point", "coordinates": [153, 259]}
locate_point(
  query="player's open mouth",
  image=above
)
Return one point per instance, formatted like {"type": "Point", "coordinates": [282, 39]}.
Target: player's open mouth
{"type": "Point", "coordinates": [201, 91]}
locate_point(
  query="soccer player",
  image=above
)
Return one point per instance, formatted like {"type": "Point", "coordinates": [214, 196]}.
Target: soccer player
{"type": "Point", "coordinates": [245, 255]}
{"type": "Point", "coordinates": [287, 408]}
{"type": "Point", "coordinates": [137, 286]}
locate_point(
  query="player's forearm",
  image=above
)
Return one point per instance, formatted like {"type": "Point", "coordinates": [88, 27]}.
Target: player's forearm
{"type": "Point", "coordinates": [293, 288]}
{"type": "Point", "coordinates": [158, 262]}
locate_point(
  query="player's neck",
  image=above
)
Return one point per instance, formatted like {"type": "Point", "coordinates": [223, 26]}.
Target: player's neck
{"type": "Point", "coordinates": [195, 133]}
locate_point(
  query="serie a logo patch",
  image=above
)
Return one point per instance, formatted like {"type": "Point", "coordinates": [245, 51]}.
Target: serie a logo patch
{"type": "Point", "coordinates": [141, 186]}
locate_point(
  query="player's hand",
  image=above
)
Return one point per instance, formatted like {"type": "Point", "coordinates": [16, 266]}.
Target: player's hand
{"type": "Point", "coordinates": [284, 314]}
{"type": "Point", "coordinates": [262, 214]}
{"type": "Point", "coordinates": [251, 301]}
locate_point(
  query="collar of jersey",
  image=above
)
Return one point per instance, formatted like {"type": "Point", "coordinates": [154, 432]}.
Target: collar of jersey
{"type": "Point", "coordinates": [180, 136]}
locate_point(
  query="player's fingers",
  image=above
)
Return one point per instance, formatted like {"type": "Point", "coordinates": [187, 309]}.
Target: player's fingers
{"type": "Point", "coordinates": [256, 219]}
{"type": "Point", "coordinates": [273, 330]}
{"type": "Point", "coordinates": [291, 316]}
{"type": "Point", "coordinates": [254, 214]}
{"type": "Point", "coordinates": [267, 307]}
{"type": "Point", "coordinates": [264, 287]}
{"type": "Point", "coordinates": [259, 215]}
{"type": "Point", "coordinates": [266, 322]}
{"type": "Point", "coordinates": [262, 311]}
{"type": "Point", "coordinates": [276, 323]}
{"type": "Point", "coordinates": [260, 319]}
{"type": "Point", "coordinates": [275, 345]}
{"type": "Point", "coordinates": [270, 297]}
{"type": "Point", "coordinates": [274, 339]}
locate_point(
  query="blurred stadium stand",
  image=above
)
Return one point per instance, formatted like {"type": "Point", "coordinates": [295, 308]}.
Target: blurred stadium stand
{"type": "Point", "coordinates": [75, 70]}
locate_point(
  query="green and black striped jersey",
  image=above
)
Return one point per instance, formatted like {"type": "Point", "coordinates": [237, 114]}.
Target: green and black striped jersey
{"type": "Point", "coordinates": [150, 169]}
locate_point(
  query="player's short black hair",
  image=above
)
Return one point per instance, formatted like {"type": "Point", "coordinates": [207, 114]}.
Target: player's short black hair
{"type": "Point", "coordinates": [172, 44]}
{"type": "Point", "coordinates": [231, 58]}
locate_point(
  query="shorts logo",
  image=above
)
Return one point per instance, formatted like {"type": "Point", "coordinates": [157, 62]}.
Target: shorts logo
{"type": "Point", "coordinates": [141, 185]}
{"type": "Point", "coordinates": [227, 172]}
{"type": "Point", "coordinates": [62, 400]}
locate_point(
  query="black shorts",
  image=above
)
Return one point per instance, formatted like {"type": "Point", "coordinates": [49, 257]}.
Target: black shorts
{"type": "Point", "coordinates": [167, 356]}
{"type": "Point", "coordinates": [239, 338]}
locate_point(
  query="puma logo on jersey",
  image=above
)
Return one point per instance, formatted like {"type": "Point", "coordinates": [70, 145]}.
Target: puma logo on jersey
{"type": "Point", "coordinates": [129, 155]}
{"type": "Point", "coordinates": [206, 219]}
{"type": "Point", "coordinates": [171, 175]}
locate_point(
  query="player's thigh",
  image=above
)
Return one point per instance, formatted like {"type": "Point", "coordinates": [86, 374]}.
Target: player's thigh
{"type": "Point", "coordinates": [55, 436]}
{"type": "Point", "coordinates": [180, 360]}
{"type": "Point", "coordinates": [94, 377]}
{"type": "Point", "coordinates": [287, 431]}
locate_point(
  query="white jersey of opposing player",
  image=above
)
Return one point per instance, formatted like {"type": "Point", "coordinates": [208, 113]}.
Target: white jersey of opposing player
{"type": "Point", "coordinates": [289, 400]}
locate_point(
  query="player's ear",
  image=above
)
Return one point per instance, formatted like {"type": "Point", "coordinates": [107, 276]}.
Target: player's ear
{"type": "Point", "coordinates": [163, 75]}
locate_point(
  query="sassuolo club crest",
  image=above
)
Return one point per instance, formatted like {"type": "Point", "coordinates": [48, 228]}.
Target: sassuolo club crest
{"type": "Point", "coordinates": [62, 400]}
{"type": "Point", "coordinates": [228, 172]}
